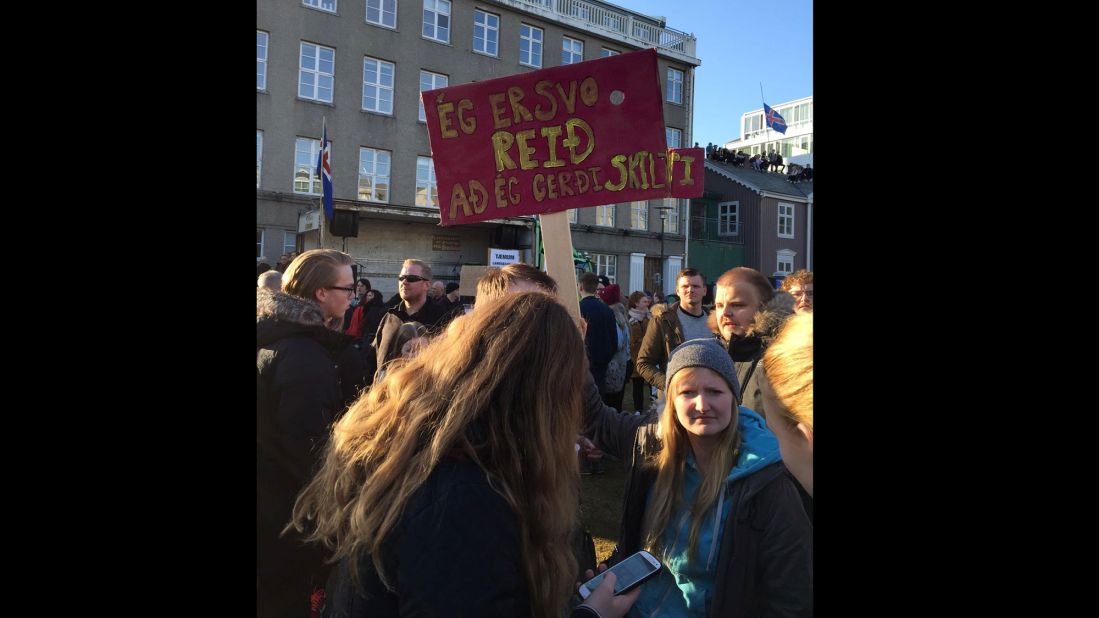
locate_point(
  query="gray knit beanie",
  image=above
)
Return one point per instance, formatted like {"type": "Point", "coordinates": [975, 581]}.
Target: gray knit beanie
{"type": "Point", "coordinates": [706, 352]}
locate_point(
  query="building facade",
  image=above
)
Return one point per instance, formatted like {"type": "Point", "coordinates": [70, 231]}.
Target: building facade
{"type": "Point", "coordinates": [360, 66]}
{"type": "Point", "coordinates": [750, 218]}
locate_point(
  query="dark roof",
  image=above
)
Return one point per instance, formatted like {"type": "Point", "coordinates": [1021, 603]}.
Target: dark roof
{"type": "Point", "coordinates": [771, 182]}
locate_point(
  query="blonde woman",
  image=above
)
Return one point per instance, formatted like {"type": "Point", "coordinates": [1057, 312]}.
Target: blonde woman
{"type": "Point", "coordinates": [450, 488]}
{"type": "Point", "coordinates": [707, 479]}
{"type": "Point", "coordinates": [787, 387]}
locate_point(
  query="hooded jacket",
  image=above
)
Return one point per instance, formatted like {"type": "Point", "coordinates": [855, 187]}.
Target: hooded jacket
{"type": "Point", "coordinates": [747, 350]}
{"type": "Point", "coordinates": [759, 562]}
{"type": "Point", "coordinates": [306, 372]}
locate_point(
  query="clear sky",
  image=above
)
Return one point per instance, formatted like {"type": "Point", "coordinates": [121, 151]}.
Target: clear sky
{"type": "Point", "coordinates": [741, 43]}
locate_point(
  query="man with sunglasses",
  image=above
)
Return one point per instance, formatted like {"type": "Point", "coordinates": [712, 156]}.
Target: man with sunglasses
{"type": "Point", "coordinates": [412, 286]}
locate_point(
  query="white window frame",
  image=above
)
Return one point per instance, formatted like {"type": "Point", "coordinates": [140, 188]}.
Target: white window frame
{"type": "Point", "coordinates": [639, 215]}
{"type": "Point", "coordinates": [261, 60]}
{"type": "Point", "coordinates": [319, 5]}
{"type": "Point", "coordinates": [675, 86]}
{"type": "Point", "coordinates": [531, 42]}
{"type": "Point", "coordinates": [376, 178]}
{"type": "Point", "coordinates": [433, 82]}
{"type": "Point", "coordinates": [568, 50]}
{"type": "Point", "coordinates": [314, 152]}
{"type": "Point", "coordinates": [785, 216]}
{"type": "Point", "coordinates": [605, 213]}
{"type": "Point", "coordinates": [379, 6]}
{"type": "Point", "coordinates": [318, 75]}
{"type": "Point", "coordinates": [379, 87]}
{"type": "Point", "coordinates": [436, 13]}
{"type": "Point", "coordinates": [432, 185]}
{"type": "Point", "coordinates": [672, 223]}
{"type": "Point", "coordinates": [607, 53]}
{"type": "Point", "coordinates": [259, 244]}
{"type": "Point", "coordinates": [606, 264]}
{"type": "Point", "coordinates": [784, 256]}
{"type": "Point", "coordinates": [669, 133]}
{"type": "Point", "coordinates": [487, 30]}
{"type": "Point", "coordinates": [292, 246]}
{"type": "Point", "coordinates": [572, 215]}
{"type": "Point", "coordinates": [724, 216]}
{"type": "Point", "coordinates": [259, 156]}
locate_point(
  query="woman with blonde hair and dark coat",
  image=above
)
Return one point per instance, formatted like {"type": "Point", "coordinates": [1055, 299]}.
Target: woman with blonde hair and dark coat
{"type": "Point", "coordinates": [450, 488]}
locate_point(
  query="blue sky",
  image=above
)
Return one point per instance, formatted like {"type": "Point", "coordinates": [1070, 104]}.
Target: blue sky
{"type": "Point", "coordinates": [741, 43]}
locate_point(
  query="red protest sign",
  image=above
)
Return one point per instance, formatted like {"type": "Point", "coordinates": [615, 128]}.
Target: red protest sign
{"type": "Point", "coordinates": [565, 137]}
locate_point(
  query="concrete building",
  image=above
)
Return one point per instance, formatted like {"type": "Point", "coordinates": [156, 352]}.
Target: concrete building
{"type": "Point", "coordinates": [361, 66]}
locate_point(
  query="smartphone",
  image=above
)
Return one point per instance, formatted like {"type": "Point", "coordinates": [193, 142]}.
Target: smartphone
{"type": "Point", "coordinates": [631, 573]}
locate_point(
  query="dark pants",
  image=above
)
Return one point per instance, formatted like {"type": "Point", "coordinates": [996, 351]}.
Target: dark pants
{"type": "Point", "coordinates": [640, 394]}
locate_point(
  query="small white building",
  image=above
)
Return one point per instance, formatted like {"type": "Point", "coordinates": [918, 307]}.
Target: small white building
{"type": "Point", "coordinates": [756, 138]}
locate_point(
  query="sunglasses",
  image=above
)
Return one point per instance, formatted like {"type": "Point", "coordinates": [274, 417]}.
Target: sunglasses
{"type": "Point", "coordinates": [411, 278]}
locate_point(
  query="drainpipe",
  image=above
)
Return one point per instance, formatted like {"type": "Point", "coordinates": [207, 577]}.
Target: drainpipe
{"type": "Point", "coordinates": [809, 236]}
{"type": "Point", "coordinates": [690, 143]}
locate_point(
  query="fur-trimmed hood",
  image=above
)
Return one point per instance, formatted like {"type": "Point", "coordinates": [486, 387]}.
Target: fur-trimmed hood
{"type": "Point", "coordinates": [772, 316]}
{"type": "Point", "coordinates": [768, 321]}
{"type": "Point", "coordinates": [287, 308]}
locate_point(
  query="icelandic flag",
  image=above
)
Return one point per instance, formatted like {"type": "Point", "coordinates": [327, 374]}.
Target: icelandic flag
{"type": "Point", "coordinates": [774, 119]}
{"type": "Point", "coordinates": [324, 170]}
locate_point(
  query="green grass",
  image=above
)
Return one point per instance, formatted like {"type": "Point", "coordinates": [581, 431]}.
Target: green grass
{"type": "Point", "coordinates": [601, 499]}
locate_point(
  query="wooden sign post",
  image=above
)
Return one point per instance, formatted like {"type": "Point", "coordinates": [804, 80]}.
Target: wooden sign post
{"type": "Point", "coordinates": [557, 241]}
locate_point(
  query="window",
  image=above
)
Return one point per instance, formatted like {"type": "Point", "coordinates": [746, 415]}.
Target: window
{"type": "Point", "coordinates": [674, 137]}
{"type": "Point", "coordinates": [315, 73]}
{"type": "Point", "coordinates": [572, 51]}
{"type": "Point", "coordinates": [672, 225]}
{"type": "Point", "coordinates": [604, 215]}
{"type": "Point", "coordinates": [530, 46]}
{"type": "Point", "coordinates": [572, 215]}
{"type": "Point", "coordinates": [427, 192]}
{"type": "Point", "coordinates": [785, 262]}
{"type": "Point", "coordinates": [486, 32]}
{"type": "Point", "coordinates": [377, 86]}
{"type": "Point", "coordinates": [675, 86]}
{"type": "Point", "coordinates": [373, 175]}
{"type": "Point", "coordinates": [430, 81]}
{"type": "Point", "coordinates": [728, 218]}
{"type": "Point", "coordinates": [259, 155]}
{"type": "Point", "coordinates": [752, 125]}
{"type": "Point", "coordinates": [261, 60]}
{"type": "Point", "coordinates": [289, 242]}
{"type": "Point", "coordinates": [382, 13]}
{"type": "Point", "coordinates": [614, 22]}
{"type": "Point", "coordinates": [324, 5]}
{"type": "Point", "coordinates": [606, 265]}
{"type": "Point", "coordinates": [639, 215]}
{"type": "Point", "coordinates": [785, 220]}
{"type": "Point", "coordinates": [306, 153]}
{"type": "Point", "coordinates": [607, 53]}
{"type": "Point", "coordinates": [437, 20]}
{"type": "Point", "coordinates": [259, 243]}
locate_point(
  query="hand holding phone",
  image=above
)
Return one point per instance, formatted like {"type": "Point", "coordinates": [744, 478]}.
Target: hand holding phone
{"type": "Point", "coordinates": [629, 574]}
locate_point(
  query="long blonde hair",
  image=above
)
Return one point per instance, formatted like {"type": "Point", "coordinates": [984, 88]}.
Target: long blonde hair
{"type": "Point", "coordinates": [671, 462]}
{"type": "Point", "coordinates": [788, 365]}
{"type": "Point", "coordinates": [499, 387]}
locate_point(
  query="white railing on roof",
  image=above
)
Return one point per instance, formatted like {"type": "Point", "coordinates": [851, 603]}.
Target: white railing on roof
{"type": "Point", "coordinates": [640, 31]}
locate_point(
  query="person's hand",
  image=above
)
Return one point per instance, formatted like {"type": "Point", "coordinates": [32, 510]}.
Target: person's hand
{"type": "Point", "coordinates": [606, 602]}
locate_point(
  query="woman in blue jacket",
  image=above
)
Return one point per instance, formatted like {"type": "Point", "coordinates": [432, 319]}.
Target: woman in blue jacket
{"type": "Point", "coordinates": [708, 494]}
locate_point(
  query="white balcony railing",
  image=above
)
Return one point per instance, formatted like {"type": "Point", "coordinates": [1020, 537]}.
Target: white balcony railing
{"type": "Point", "coordinates": [641, 31]}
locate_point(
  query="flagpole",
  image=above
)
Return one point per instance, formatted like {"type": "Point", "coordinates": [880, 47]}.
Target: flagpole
{"type": "Point", "coordinates": [766, 126]}
{"type": "Point", "coordinates": [320, 204]}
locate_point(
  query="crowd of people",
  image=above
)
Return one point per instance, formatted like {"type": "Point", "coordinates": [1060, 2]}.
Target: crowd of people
{"type": "Point", "coordinates": [417, 457]}
{"type": "Point", "coordinates": [762, 162]}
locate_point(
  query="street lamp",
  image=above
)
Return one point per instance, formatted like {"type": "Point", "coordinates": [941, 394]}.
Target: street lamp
{"type": "Point", "coordinates": [663, 219]}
